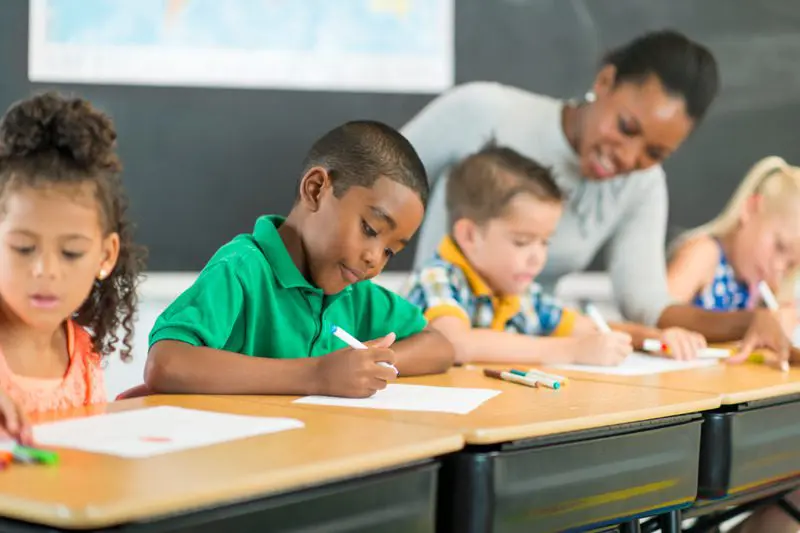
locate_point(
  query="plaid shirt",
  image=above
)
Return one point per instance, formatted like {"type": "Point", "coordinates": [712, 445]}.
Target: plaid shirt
{"type": "Point", "coordinates": [449, 286]}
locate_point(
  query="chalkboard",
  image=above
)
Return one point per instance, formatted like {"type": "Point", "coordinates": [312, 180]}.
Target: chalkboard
{"type": "Point", "coordinates": [201, 163]}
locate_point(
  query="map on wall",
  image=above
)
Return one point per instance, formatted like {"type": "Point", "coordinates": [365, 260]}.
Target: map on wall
{"type": "Point", "coordinates": [342, 45]}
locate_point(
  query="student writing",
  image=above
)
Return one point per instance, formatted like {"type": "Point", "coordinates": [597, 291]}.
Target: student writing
{"type": "Point", "coordinates": [258, 319]}
{"type": "Point", "coordinates": [68, 264]}
{"type": "Point", "coordinates": [479, 289]}
{"type": "Point", "coordinates": [718, 265]}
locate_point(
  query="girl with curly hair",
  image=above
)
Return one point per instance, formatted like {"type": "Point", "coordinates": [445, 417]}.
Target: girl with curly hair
{"type": "Point", "coordinates": [68, 264]}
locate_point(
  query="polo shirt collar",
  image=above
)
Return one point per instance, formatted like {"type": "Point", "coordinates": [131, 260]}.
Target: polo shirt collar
{"type": "Point", "coordinates": [450, 252]}
{"type": "Point", "coordinates": [269, 241]}
{"type": "Point", "coordinates": [267, 237]}
{"type": "Point", "coordinates": [505, 307]}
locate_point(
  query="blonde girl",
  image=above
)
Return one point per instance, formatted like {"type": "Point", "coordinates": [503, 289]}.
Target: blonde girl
{"type": "Point", "coordinates": [718, 265]}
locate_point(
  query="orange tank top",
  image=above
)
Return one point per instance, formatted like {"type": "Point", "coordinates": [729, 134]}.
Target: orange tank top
{"type": "Point", "coordinates": [82, 384]}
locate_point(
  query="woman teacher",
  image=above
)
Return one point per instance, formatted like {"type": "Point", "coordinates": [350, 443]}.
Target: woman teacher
{"type": "Point", "coordinates": [606, 153]}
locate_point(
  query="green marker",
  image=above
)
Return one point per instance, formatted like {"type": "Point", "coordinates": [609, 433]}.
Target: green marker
{"type": "Point", "coordinates": [26, 454]}
{"type": "Point", "coordinates": [547, 382]}
{"type": "Point", "coordinates": [44, 457]}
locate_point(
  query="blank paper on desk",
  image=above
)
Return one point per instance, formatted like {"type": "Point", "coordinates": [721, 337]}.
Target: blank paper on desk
{"type": "Point", "coordinates": [155, 430]}
{"type": "Point", "coordinates": [639, 364]}
{"type": "Point", "coordinates": [413, 398]}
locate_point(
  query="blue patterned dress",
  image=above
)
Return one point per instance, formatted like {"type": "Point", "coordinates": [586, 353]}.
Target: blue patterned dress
{"type": "Point", "coordinates": [725, 293]}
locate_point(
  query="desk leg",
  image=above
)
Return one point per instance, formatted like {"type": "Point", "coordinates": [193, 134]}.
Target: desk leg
{"type": "Point", "coordinates": [670, 522]}
{"type": "Point", "coordinates": [630, 527]}
{"type": "Point", "coordinates": [789, 509]}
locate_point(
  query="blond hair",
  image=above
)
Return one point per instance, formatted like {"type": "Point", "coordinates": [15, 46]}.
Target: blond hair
{"type": "Point", "coordinates": [775, 181]}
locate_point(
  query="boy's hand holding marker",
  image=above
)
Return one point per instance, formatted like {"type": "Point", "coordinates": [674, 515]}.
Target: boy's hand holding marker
{"type": "Point", "coordinates": [608, 348]}
{"type": "Point", "coordinates": [358, 371]}
{"type": "Point", "coordinates": [604, 349]}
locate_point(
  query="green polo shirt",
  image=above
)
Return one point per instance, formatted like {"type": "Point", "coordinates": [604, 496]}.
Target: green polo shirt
{"type": "Point", "coordinates": [251, 299]}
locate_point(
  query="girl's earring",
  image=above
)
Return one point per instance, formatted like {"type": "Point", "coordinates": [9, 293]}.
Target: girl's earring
{"type": "Point", "coordinates": [102, 275]}
{"type": "Point", "coordinates": [589, 97]}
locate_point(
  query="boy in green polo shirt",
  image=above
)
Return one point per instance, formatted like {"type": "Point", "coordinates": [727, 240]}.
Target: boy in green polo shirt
{"type": "Point", "coordinates": [259, 318]}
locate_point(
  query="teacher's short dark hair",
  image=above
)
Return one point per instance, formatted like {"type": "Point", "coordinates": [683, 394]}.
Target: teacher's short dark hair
{"type": "Point", "coordinates": [685, 68]}
{"type": "Point", "coordinates": [481, 186]}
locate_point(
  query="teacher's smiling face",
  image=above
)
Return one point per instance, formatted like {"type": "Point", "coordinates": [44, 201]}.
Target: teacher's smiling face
{"type": "Point", "coordinates": [631, 125]}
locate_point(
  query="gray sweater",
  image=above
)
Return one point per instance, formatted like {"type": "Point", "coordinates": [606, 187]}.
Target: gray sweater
{"type": "Point", "coordinates": [628, 212]}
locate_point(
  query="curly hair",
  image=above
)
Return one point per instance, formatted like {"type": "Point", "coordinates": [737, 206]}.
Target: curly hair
{"type": "Point", "coordinates": [49, 140]}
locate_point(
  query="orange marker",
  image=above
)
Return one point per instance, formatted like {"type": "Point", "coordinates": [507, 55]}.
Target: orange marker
{"type": "Point", "coordinates": [656, 346]}
{"type": "Point", "coordinates": [5, 459]}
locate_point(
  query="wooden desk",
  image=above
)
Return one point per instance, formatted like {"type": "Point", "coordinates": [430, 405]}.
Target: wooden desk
{"type": "Point", "coordinates": [92, 490]}
{"type": "Point", "coordinates": [523, 412]}
{"type": "Point", "coordinates": [553, 460]}
{"type": "Point", "coordinates": [754, 440]}
{"type": "Point", "coordinates": [734, 384]}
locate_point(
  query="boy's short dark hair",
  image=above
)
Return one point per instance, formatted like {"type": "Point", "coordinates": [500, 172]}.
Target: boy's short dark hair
{"type": "Point", "coordinates": [360, 152]}
{"type": "Point", "coordinates": [481, 186]}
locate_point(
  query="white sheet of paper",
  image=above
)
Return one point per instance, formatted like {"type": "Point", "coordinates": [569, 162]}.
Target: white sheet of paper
{"type": "Point", "coordinates": [413, 398]}
{"type": "Point", "coordinates": [155, 430]}
{"type": "Point", "coordinates": [640, 364]}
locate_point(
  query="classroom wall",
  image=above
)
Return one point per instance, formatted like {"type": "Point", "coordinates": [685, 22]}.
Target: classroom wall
{"type": "Point", "coordinates": [202, 164]}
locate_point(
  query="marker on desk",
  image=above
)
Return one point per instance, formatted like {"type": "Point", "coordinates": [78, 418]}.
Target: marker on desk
{"type": "Point", "coordinates": [5, 459]}
{"type": "Point", "coordinates": [595, 315]}
{"type": "Point", "coordinates": [356, 344]}
{"type": "Point", "coordinates": [772, 304]}
{"type": "Point", "coordinates": [542, 380]}
{"type": "Point", "coordinates": [532, 372]}
{"type": "Point", "coordinates": [508, 376]}
{"type": "Point", "coordinates": [40, 456]}
{"type": "Point", "coordinates": [656, 346]}
{"type": "Point", "coordinates": [27, 454]}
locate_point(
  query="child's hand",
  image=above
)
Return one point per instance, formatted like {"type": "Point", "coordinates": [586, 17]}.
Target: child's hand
{"type": "Point", "coordinates": [683, 344]}
{"type": "Point", "coordinates": [766, 331]}
{"type": "Point", "coordinates": [604, 349]}
{"type": "Point", "coordinates": [354, 373]}
{"type": "Point", "coordinates": [13, 423]}
{"type": "Point", "coordinates": [583, 326]}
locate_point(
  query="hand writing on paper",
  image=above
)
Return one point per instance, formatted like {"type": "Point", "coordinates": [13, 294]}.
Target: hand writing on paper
{"type": "Point", "coordinates": [766, 331]}
{"type": "Point", "coordinates": [13, 423]}
{"type": "Point", "coordinates": [352, 373]}
{"type": "Point", "coordinates": [606, 349]}
{"type": "Point", "coordinates": [683, 344]}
